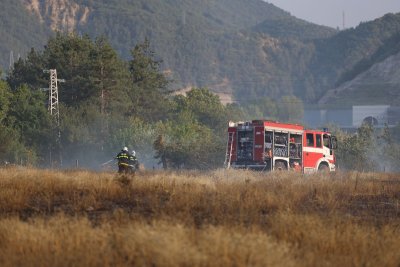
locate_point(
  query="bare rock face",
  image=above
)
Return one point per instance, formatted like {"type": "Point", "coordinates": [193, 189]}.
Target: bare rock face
{"type": "Point", "coordinates": [386, 72]}
{"type": "Point", "coordinates": [60, 15]}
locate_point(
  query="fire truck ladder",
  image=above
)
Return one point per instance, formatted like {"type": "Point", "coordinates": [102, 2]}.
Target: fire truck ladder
{"type": "Point", "coordinates": [229, 148]}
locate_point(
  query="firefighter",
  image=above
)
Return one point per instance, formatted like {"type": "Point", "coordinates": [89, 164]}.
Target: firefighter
{"type": "Point", "coordinates": [133, 162]}
{"type": "Point", "coordinates": [123, 158]}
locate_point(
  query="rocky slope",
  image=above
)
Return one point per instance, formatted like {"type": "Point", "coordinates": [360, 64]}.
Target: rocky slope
{"type": "Point", "coordinates": [59, 15]}
{"type": "Point", "coordinates": [380, 84]}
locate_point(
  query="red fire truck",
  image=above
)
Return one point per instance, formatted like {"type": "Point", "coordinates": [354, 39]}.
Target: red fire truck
{"type": "Point", "coordinates": [268, 145]}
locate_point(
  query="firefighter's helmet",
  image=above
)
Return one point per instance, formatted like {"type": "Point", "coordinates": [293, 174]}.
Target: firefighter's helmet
{"type": "Point", "coordinates": [133, 153]}
{"type": "Point", "coordinates": [125, 149]}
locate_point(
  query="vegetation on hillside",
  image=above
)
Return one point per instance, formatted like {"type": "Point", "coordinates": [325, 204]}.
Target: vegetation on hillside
{"type": "Point", "coordinates": [389, 48]}
{"type": "Point", "coordinates": [343, 56]}
{"type": "Point", "coordinates": [198, 219]}
{"type": "Point", "coordinates": [19, 31]}
{"type": "Point", "coordinates": [251, 49]}
{"type": "Point", "coordinates": [291, 27]}
{"type": "Point", "coordinates": [275, 56]}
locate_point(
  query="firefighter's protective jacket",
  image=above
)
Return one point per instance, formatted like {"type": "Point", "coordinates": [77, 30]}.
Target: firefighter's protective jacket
{"type": "Point", "coordinates": [123, 158]}
{"type": "Point", "coordinates": [133, 161]}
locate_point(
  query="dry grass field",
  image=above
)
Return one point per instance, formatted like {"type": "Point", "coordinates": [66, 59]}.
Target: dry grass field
{"type": "Point", "coordinates": [216, 218]}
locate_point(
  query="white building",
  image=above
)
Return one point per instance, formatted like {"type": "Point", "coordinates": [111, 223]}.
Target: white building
{"type": "Point", "coordinates": [375, 115]}
{"type": "Point", "coordinates": [353, 117]}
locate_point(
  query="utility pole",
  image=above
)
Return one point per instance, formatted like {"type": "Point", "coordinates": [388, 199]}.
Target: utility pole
{"type": "Point", "coordinates": [344, 20]}
{"type": "Point", "coordinates": [184, 18]}
{"type": "Point", "coordinates": [11, 60]}
{"type": "Point", "coordinates": [54, 109]}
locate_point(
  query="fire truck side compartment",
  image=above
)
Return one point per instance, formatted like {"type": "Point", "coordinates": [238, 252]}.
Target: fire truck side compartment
{"type": "Point", "coordinates": [264, 145]}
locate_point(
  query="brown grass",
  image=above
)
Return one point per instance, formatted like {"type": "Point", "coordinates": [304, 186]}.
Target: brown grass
{"type": "Point", "coordinates": [219, 218]}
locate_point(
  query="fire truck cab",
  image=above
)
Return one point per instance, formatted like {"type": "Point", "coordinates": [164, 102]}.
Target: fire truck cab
{"type": "Point", "coordinates": [268, 145]}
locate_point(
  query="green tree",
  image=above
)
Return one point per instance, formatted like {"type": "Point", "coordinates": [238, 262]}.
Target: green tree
{"type": "Point", "coordinates": [185, 143]}
{"type": "Point", "coordinates": [110, 76]}
{"type": "Point", "coordinates": [358, 151]}
{"type": "Point", "coordinates": [28, 123]}
{"type": "Point", "coordinates": [149, 86]}
{"type": "Point", "coordinates": [11, 149]}
{"type": "Point", "coordinates": [28, 114]}
{"type": "Point", "coordinates": [29, 71]}
{"type": "Point", "coordinates": [92, 69]}
{"type": "Point", "coordinates": [205, 107]}
{"type": "Point", "coordinates": [5, 96]}
{"type": "Point", "coordinates": [389, 151]}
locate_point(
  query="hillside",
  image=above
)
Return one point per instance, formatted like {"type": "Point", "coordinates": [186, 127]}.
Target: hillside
{"type": "Point", "coordinates": [294, 28]}
{"type": "Point", "coordinates": [380, 84]}
{"type": "Point", "coordinates": [245, 49]}
{"type": "Point", "coordinates": [19, 31]}
{"type": "Point", "coordinates": [348, 53]}
{"type": "Point", "coordinates": [367, 78]}
{"type": "Point", "coordinates": [202, 43]}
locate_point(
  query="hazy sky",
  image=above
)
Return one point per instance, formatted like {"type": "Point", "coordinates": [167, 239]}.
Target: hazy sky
{"type": "Point", "coordinates": [330, 12]}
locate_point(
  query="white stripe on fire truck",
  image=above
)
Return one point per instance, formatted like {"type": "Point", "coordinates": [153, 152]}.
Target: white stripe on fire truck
{"type": "Point", "coordinates": [314, 149]}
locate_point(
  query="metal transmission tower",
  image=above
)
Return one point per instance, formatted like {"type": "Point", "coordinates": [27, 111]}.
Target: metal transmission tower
{"type": "Point", "coordinates": [53, 95]}
{"type": "Point", "coordinates": [53, 107]}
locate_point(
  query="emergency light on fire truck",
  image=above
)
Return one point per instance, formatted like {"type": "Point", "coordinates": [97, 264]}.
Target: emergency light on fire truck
{"type": "Point", "coordinates": [268, 145]}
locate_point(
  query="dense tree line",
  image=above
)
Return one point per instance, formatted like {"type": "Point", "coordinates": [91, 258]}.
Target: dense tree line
{"type": "Point", "coordinates": [107, 103]}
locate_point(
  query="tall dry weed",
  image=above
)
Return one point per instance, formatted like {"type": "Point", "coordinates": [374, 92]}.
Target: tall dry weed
{"type": "Point", "coordinates": [63, 241]}
{"type": "Point", "coordinates": [214, 218]}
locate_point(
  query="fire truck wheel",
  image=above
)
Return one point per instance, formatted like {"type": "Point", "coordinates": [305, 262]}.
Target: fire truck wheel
{"type": "Point", "coordinates": [323, 168]}
{"type": "Point", "coordinates": [280, 166]}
